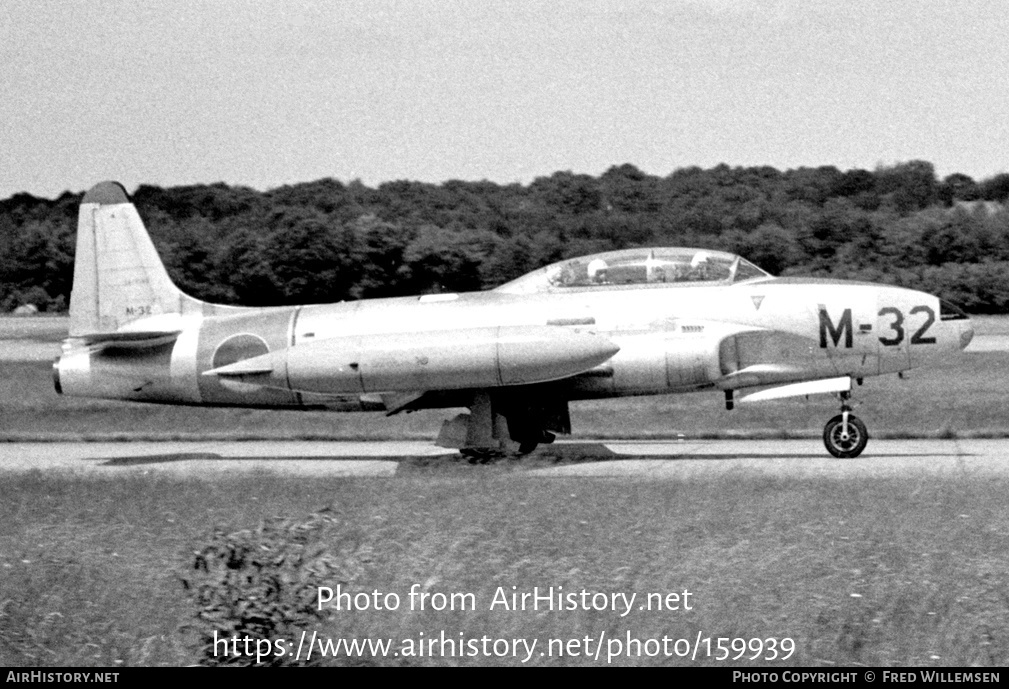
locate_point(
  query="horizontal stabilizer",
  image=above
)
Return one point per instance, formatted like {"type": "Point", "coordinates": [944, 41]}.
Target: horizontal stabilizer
{"type": "Point", "coordinates": [137, 339]}
{"type": "Point", "coordinates": [812, 387]}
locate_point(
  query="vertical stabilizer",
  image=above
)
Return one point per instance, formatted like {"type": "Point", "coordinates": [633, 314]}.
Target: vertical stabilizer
{"type": "Point", "coordinates": [119, 278]}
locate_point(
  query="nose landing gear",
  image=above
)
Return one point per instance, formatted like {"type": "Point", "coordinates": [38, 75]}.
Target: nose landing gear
{"type": "Point", "coordinates": [845, 435]}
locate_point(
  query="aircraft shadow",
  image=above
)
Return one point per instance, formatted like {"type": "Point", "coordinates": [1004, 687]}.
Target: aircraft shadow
{"type": "Point", "coordinates": [567, 453]}
{"type": "Point", "coordinates": [138, 460]}
{"type": "Point", "coordinates": [157, 459]}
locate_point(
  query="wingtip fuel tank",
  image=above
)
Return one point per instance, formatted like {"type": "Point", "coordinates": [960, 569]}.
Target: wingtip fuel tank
{"type": "Point", "coordinates": [468, 358]}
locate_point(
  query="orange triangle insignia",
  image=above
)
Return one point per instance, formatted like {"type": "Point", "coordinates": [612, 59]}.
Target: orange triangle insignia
{"type": "Point", "coordinates": [757, 302]}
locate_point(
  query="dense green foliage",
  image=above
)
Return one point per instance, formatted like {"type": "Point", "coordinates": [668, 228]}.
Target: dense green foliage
{"type": "Point", "coordinates": [328, 241]}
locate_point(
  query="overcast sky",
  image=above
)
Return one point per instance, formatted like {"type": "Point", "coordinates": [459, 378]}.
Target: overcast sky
{"type": "Point", "coordinates": [264, 93]}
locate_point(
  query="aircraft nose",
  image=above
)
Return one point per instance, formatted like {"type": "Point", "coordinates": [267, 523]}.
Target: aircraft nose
{"type": "Point", "coordinates": [966, 333]}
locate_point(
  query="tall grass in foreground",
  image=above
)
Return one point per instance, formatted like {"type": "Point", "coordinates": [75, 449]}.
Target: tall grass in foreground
{"type": "Point", "coordinates": [880, 572]}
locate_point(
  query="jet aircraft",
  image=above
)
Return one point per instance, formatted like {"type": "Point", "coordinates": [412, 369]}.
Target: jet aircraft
{"type": "Point", "coordinates": [633, 322]}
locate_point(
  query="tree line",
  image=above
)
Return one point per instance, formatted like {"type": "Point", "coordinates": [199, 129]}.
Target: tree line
{"type": "Point", "coordinates": [327, 241]}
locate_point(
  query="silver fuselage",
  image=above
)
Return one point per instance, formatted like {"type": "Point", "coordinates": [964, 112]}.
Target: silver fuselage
{"type": "Point", "coordinates": [671, 338]}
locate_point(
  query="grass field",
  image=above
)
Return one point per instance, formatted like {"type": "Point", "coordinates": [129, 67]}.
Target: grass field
{"type": "Point", "coordinates": [38, 328]}
{"type": "Point", "coordinates": [875, 572]}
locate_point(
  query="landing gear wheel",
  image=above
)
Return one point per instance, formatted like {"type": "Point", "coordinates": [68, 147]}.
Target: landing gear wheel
{"type": "Point", "coordinates": [843, 440]}
{"type": "Point", "coordinates": [530, 444]}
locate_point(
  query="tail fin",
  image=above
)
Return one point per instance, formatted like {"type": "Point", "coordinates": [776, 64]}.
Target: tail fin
{"type": "Point", "coordinates": [119, 278]}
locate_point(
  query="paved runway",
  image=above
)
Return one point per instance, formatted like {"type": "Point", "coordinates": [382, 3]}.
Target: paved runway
{"type": "Point", "coordinates": [648, 460]}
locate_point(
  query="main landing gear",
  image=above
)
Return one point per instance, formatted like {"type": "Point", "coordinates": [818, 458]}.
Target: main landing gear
{"type": "Point", "coordinates": [845, 435]}
{"type": "Point", "coordinates": [506, 423]}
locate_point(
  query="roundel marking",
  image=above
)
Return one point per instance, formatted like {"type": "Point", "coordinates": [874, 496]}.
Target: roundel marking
{"type": "Point", "coordinates": [238, 348]}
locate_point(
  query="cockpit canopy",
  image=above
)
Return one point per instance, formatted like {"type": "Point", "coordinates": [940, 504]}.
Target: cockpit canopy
{"type": "Point", "coordinates": [641, 267]}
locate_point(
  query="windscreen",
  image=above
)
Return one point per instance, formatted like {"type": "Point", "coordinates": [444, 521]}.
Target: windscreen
{"type": "Point", "coordinates": [639, 267]}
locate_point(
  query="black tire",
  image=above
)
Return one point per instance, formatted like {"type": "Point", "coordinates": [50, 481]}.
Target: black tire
{"type": "Point", "coordinates": [527, 447]}
{"type": "Point", "coordinates": [845, 448]}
